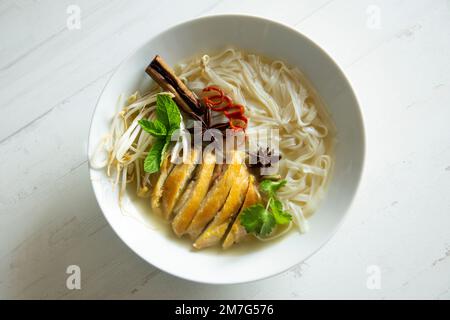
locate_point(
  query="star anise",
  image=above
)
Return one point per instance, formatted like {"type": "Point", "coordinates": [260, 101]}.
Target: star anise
{"type": "Point", "coordinates": [263, 158]}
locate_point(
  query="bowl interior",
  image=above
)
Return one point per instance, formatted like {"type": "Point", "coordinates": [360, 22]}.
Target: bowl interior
{"type": "Point", "coordinates": [148, 236]}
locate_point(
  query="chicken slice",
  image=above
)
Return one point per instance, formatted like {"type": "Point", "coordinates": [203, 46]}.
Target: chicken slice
{"type": "Point", "coordinates": [176, 182]}
{"type": "Point", "coordinates": [194, 197]}
{"type": "Point", "coordinates": [165, 170]}
{"type": "Point", "coordinates": [216, 196]}
{"type": "Point", "coordinates": [217, 228]}
{"type": "Point", "coordinates": [186, 193]}
{"type": "Point", "coordinates": [237, 231]}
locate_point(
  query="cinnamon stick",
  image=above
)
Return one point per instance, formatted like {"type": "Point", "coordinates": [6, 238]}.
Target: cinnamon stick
{"type": "Point", "coordinates": [160, 71]}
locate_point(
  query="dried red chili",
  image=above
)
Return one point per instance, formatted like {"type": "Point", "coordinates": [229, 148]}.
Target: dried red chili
{"type": "Point", "coordinates": [219, 102]}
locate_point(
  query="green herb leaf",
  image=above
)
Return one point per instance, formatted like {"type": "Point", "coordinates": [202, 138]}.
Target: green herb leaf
{"type": "Point", "coordinates": [268, 223]}
{"type": "Point", "coordinates": [154, 158]}
{"type": "Point", "coordinates": [155, 128]}
{"type": "Point", "coordinates": [173, 113]}
{"type": "Point", "coordinates": [256, 219]}
{"type": "Point", "coordinates": [260, 221]}
{"type": "Point", "coordinates": [161, 111]}
{"type": "Point", "coordinates": [167, 112]}
{"type": "Point", "coordinates": [271, 187]}
{"type": "Point", "coordinates": [250, 218]}
{"type": "Point", "coordinates": [281, 216]}
{"type": "Point", "coordinates": [167, 122]}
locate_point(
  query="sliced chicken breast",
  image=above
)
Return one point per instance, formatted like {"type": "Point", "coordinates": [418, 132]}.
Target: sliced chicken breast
{"type": "Point", "coordinates": [216, 196]}
{"type": "Point", "coordinates": [237, 231]}
{"type": "Point", "coordinates": [186, 194]}
{"type": "Point", "coordinates": [217, 228]}
{"type": "Point", "coordinates": [194, 197]}
{"type": "Point", "coordinates": [165, 170]}
{"type": "Point", "coordinates": [176, 183]}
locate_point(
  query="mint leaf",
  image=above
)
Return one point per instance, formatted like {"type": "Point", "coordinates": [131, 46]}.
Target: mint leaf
{"type": "Point", "coordinates": [161, 111]}
{"type": "Point", "coordinates": [256, 219]}
{"type": "Point", "coordinates": [167, 122]}
{"type": "Point", "coordinates": [154, 158]}
{"type": "Point", "coordinates": [271, 187]}
{"type": "Point", "coordinates": [155, 128]}
{"type": "Point", "coordinates": [173, 113]}
{"type": "Point", "coordinates": [281, 216]}
{"type": "Point", "coordinates": [168, 112]}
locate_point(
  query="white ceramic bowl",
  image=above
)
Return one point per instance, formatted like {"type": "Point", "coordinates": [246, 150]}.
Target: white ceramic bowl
{"type": "Point", "coordinates": [152, 240]}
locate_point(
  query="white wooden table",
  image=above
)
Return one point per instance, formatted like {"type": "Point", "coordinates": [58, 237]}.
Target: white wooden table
{"type": "Point", "coordinates": [396, 240]}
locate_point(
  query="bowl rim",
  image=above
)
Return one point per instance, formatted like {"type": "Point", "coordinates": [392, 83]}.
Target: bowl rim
{"type": "Point", "coordinates": [311, 42]}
